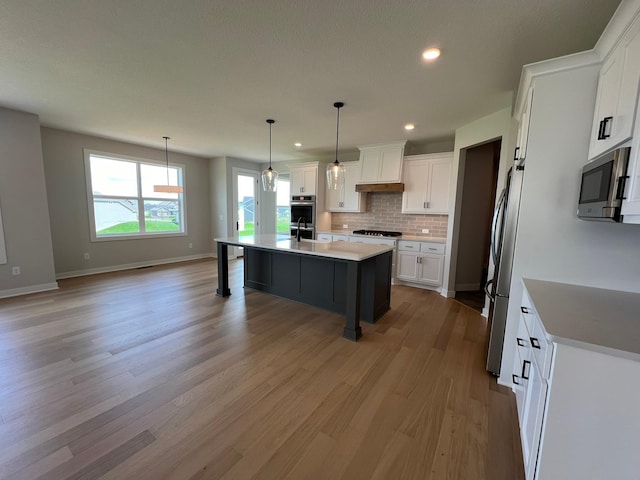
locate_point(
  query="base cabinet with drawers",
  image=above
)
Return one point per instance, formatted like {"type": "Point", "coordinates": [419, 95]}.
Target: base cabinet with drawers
{"type": "Point", "coordinates": [577, 407]}
{"type": "Point", "coordinates": [420, 262]}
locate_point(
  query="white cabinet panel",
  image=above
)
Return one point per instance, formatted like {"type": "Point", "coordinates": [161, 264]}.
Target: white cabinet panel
{"type": "Point", "coordinates": [381, 163]}
{"type": "Point", "coordinates": [617, 95]}
{"type": "Point", "coordinates": [431, 269]}
{"type": "Point", "coordinates": [347, 199]}
{"type": "Point", "coordinates": [420, 262]}
{"type": "Point", "coordinates": [304, 180]}
{"type": "Point", "coordinates": [427, 183]}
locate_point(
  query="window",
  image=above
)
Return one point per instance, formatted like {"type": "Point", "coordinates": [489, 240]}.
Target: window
{"type": "Point", "coordinates": [283, 210]}
{"type": "Point", "coordinates": [122, 203]}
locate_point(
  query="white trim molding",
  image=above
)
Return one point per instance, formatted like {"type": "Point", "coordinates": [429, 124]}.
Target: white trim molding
{"type": "Point", "coordinates": [130, 266]}
{"type": "Point", "coordinates": [14, 292]}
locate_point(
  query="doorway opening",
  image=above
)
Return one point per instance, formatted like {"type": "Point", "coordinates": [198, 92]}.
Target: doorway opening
{"type": "Point", "coordinates": [480, 179]}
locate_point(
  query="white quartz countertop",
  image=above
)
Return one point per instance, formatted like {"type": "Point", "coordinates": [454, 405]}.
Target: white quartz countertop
{"type": "Point", "coordinates": [283, 243]}
{"type": "Point", "coordinates": [597, 319]}
{"type": "Point", "coordinates": [421, 238]}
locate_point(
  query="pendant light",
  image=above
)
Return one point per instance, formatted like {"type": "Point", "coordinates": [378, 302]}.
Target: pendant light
{"type": "Point", "coordinates": [335, 170]}
{"type": "Point", "coordinates": [167, 188]}
{"type": "Point", "coordinates": [270, 176]}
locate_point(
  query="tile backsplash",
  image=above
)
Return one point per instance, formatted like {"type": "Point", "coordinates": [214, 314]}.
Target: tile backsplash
{"type": "Point", "coordinates": [383, 212]}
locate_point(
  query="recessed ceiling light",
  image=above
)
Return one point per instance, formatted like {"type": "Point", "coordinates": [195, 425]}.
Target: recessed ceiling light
{"type": "Point", "coordinates": [298, 144]}
{"type": "Point", "coordinates": [431, 53]}
{"type": "Point", "coordinates": [409, 126]}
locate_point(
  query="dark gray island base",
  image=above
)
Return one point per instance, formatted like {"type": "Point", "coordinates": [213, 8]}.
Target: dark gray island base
{"type": "Point", "coordinates": [360, 289]}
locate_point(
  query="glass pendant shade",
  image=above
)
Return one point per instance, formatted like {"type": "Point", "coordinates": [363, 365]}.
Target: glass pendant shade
{"type": "Point", "coordinates": [269, 176]}
{"type": "Point", "coordinates": [269, 180]}
{"type": "Point", "coordinates": [335, 170]}
{"type": "Point", "coordinates": [335, 175]}
{"type": "Point", "coordinates": [167, 188]}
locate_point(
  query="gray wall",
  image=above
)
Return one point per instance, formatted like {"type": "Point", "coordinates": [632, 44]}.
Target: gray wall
{"type": "Point", "coordinates": [552, 243]}
{"type": "Point", "coordinates": [23, 199]}
{"type": "Point", "coordinates": [68, 208]}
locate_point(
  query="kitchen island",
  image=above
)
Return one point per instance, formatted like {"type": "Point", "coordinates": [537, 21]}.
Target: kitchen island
{"type": "Point", "coordinates": [349, 278]}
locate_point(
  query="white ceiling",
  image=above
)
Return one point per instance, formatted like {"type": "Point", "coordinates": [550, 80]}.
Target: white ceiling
{"type": "Point", "coordinates": [209, 73]}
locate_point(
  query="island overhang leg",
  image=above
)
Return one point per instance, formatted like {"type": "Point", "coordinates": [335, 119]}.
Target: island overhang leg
{"type": "Point", "coordinates": [223, 270]}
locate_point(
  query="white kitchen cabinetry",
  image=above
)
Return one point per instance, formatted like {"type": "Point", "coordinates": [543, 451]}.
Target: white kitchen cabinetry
{"type": "Point", "coordinates": [328, 237]}
{"type": "Point", "coordinates": [304, 179]}
{"type": "Point", "coordinates": [381, 163]}
{"type": "Point", "coordinates": [531, 383]}
{"type": "Point", "coordinates": [420, 262]}
{"type": "Point", "coordinates": [617, 94]}
{"type": "Point", "coordinates": [577, 403]}
{"type": "Point", "coordinates": [427, 183]}
{"type": "Point", "coordinates": [347, 199]}
{"type": "Point", "coordinates": [523, 128]}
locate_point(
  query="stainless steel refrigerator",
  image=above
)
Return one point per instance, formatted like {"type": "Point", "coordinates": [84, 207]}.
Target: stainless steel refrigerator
{"type": "Point", "coordinates": [503, 238]}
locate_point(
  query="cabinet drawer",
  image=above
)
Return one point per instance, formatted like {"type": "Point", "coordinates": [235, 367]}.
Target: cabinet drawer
{"type": "Point", "coordinates": [340, 238]}
{"type": "Point", "coordinates": [542, 349]}
{"type": "Point", "coordinates": [436, 248]}
{"type": "Point", "coordinates": [409, 245]}
{"type": "Point", "coordinates": [527, 312]}
{"type": "Point", "coordinates": [324, 237]}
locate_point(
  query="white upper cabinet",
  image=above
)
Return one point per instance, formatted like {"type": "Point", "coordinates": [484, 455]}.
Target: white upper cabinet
{"type": "Point", "coordinates": [381, 163]}
{"type": "Point", "coordinates": [347, 199]}
{"type": "Point", "coordinates": [427, 183]}
{"type": "Point", "coordinates": [304, 179]}
{"type": "Point", "coordinates": [523, 129]}
{"type": "Point", "coordinates": [617, 96]}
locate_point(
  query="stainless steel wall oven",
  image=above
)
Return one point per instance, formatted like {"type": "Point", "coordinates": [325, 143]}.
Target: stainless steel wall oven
{"type": "Point", "coordinates": [303, 216]}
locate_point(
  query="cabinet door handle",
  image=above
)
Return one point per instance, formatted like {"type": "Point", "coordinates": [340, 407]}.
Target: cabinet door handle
{"type": "Point", "coordinates": [514, 377]}
{"type": "Point", "coordinates": [600, 129]}
{"type": "Point", "coordinates": [419, 259]}
{"type": "Point", "coordinates": [521, 342]}
{"type": "Point", "coordinates": [606, 133]}
{"type": "Point", "coordinates": [524, 309]}
{"type": "Point", "coordinates": [515, 153]}
{"type": "Point", "coordinates": [431, 248]}
{"type": "Point", "coordinates": [424, 204]}
{"type": "Point", "coordinates": [525, 373]}
{"type": "Point", "coordinates": [535, 343]}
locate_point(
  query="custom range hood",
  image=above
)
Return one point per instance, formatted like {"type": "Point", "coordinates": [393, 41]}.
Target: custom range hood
{"type": "Point", "coordinates": [380, 187]}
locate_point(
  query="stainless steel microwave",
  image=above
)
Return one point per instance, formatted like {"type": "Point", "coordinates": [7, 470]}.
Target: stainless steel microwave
{"type": "Point", "coordinates": [602, 187]}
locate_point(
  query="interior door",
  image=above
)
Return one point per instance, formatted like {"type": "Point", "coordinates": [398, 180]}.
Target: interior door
{"type": "Point", "coordinates": [246, 211]}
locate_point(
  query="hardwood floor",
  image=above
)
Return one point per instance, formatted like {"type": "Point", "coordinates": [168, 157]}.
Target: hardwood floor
{"type": "Point", "coordinates": [146, 374]}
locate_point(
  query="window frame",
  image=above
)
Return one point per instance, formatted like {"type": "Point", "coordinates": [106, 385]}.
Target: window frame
{"type": "Point", "coordinates": [182, 203]}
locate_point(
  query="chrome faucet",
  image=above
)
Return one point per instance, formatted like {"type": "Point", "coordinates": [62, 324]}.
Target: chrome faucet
{"type": "Point", "coordinates": [298, 230]}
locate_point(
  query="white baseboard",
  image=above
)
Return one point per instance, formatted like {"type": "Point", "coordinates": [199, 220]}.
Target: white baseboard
{"type": "Point", "coordinates": [448, 293]}
{"type": "Point", "coordinates": [467, 287]}
{"type": "Point", "coordinates": [14, 292]}
{"type": "Point", "coordinates": [130, 266]}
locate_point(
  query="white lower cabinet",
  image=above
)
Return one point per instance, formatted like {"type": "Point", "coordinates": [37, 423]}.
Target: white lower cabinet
{"type": "Point", "coordinates": [577, 408]}
{"type": "Point", "coordinates": [420, 262]}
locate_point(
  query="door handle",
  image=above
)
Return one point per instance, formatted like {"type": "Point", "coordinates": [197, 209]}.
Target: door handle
{"type": "Point", "coordinates": [515, 153]}
{"type": "Point", "coordinates": [524, 369]}
{"type": "Point", "coordinates": [605, 122]}
{"type": "Point", "coordinates": [238, 226]}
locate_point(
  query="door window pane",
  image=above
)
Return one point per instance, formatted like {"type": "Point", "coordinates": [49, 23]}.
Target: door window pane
{"type": "Point", "coordinates": [283, 212]}
{"type": "Point", "coordinates": [246, 205]}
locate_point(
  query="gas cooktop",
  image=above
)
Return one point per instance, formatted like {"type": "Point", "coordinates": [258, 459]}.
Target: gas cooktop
{"type": "Point", "coordinates": [377, 233]}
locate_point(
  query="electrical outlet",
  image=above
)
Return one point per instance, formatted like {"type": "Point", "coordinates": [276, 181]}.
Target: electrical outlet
{"type": "Point", "coordinates": [15, 271]}
{"type": "Point", "coordinates": [87, 256]}
{"type": "Point", "coordinates": [190, 245]}
{"type": "Point", "coordinates": [345, 226]}
{"type": "Point", "coordinates": [425, 230]}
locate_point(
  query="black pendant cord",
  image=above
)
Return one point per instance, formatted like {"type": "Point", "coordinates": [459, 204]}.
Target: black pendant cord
{"type": "Point", "coordinates": [270, 122]}
{"type": "Point", "coordinates": [338, 105]}
{"type": "Point", "coordinates": [166, 155]}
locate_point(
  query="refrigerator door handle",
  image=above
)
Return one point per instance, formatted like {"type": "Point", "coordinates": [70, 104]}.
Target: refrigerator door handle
{"type": "Point", "coordinates": [494, 226]}
{"type": "Point", "coordinates": [489, 293]}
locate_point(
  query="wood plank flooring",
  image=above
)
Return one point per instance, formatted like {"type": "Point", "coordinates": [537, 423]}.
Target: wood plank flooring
{"type": "Point", "coordinates": [146, 374]}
